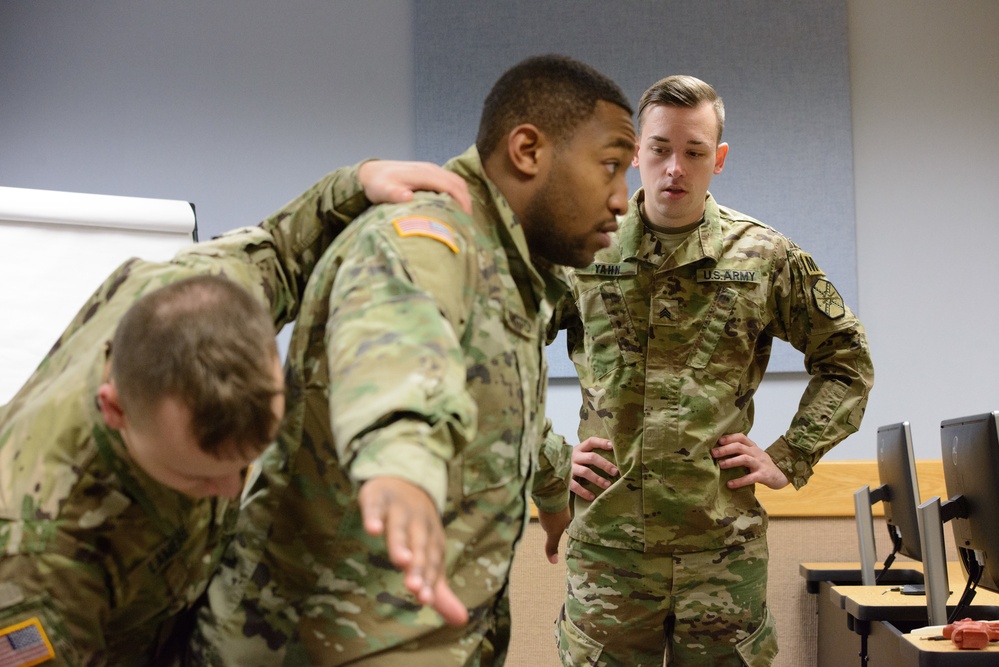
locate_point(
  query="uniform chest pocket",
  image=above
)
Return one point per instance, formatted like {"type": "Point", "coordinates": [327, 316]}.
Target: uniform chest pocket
{"type": "Point", "coordinates": [611, 338]}
{"type": "Point", "coordinates": [493, 459]}
{"type": "Point", "coordinates": [726, 340]}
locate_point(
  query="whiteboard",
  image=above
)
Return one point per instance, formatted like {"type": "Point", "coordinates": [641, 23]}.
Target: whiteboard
{"type": "Point", "coordinates": [56, 248]}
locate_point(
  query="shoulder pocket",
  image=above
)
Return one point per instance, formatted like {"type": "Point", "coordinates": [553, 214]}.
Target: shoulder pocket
{"type": "Point", "coordinates": [37, 627]}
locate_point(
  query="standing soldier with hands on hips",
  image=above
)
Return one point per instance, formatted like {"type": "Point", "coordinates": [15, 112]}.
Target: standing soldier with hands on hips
{"type": "Point", "coordinates": [670, 330]}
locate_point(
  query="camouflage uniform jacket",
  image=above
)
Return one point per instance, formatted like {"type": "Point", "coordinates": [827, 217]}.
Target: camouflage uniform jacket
{"type": "Point", "coordinates": [419, 352]}
{"type": "Point", "coordinates": [670, 351]}
{"type": "Point", "coordinates": [90, 545]}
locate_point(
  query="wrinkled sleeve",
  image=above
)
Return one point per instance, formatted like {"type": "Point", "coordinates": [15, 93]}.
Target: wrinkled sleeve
{"type": "Point", "coordinates": [398, 310]}
{"type": "Point", "coordinates": [551, 483]}
{"type": "Point", "coordinates": [815, 320]}
{"type": "Point", "coordinates": [550, 491]}
{"type": "Point", "coordinates": [275, 258]}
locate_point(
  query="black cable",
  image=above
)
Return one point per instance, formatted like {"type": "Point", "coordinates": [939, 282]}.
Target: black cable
{"type": "Point", "coordinates": [975, 571]}
{"type": "Point", "coordinates": [896, 546]}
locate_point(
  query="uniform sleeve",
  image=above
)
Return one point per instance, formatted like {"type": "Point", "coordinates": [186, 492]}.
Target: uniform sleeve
{"type": "Point", "coordinates": [551, 483]}
{"type": "Point", "coordinates": [550, 492]}
{"type": "Point", "coordinates": [276, 258]}
{"type": "Point", "coordinates": [399, 310]}
{"type": "Point", "coordinates": [63, 599]}
{"type": "Point", "coordinates": [817, 322]}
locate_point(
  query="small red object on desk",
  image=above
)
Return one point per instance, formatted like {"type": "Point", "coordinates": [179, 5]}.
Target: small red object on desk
{"type": "Point", "coordinates": [969, 634]}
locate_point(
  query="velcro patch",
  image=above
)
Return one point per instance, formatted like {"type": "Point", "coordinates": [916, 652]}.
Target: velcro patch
{"type": "Point", "coordinates": [810, 265]}
{"type": "Point", "coordinates": [432, 229]}
{"type": "Point", "coordinates": [609, 270]}
{"type": "Point", "coordinates": [25, 644]}
{"type": "Point", "coordinates": [727, 276]}
{"type": "Point", "coordinates": [828, 300]}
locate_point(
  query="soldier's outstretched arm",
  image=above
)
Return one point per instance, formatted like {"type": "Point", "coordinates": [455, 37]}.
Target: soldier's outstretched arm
{"type": "Point", "coordinates": [414, 535]}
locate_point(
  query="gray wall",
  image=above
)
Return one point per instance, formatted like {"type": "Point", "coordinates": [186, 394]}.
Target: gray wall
{"type": "Point", "coordinates": [239, 106]}
{"type": "Point", "coordinates": [235, 106]}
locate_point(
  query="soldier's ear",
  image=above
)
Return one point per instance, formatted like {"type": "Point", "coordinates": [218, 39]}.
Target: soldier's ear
{"type": "Point", "coordinates": [528, 149]}
{"type": "Point", "coordinates": [720, 156]}
{"type": "Point", "coordinates": [110, 406]}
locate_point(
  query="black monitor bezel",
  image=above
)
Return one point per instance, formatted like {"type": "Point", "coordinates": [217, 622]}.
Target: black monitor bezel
{"type": "Point", "coordinates": [897, 475]}
{"type": "Point", "coordinates": [971, 471]}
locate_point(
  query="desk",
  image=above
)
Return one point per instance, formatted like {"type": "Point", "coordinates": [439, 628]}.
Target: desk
{"type": "Point", "coordinates": [919, 652]}
{"type": "Point", "coordinates": [838, 642]}
{"type": "Point", "coordinates": [884, 620]}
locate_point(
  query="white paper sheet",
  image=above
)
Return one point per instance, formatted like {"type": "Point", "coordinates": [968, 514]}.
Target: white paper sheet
{"type": "Point", "coordinates": [56, 248]}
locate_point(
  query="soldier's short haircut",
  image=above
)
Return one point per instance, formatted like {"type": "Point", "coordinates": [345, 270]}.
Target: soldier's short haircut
{"type": "Point", "coordinates": [682, 91]}
{"type": "Point", "coordinates": [554, 93]}
{"type": "Point", "coordinates": [207, 342]}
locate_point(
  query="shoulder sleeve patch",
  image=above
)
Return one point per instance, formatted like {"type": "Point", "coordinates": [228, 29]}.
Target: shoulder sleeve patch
{"type": "Point", "coordinates": [432, 229]}
{"type": "Point", "coordinates": [25, 644]}
{"type": "Point", "coordinates": [810, 266]}
{"type": "Point", "coordinates": [828, 299]}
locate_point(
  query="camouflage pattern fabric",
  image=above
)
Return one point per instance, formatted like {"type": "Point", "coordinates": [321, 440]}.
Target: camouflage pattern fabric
{"type": "Point", "coordinates": [670, 348]}
{"type": "Point", "coordinates": [621, 604]}
{"type": "Point", "coordinates": [104, 556]}
{"type": "Point", "coordinates": [419, 354]}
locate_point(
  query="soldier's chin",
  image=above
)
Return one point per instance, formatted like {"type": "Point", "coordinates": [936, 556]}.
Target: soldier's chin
{"type": "Point", "coordinates": [582, 260]}
{"type": "Point", "coordinates": [575, 257]}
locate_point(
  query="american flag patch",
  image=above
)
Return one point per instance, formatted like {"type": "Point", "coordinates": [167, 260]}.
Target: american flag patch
{"type": "Point", "coordinates": [434, 229]}
{"type": "Point", "coordinates": [24, 644]}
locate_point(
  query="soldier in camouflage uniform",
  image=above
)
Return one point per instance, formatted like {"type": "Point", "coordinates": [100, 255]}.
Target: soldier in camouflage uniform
{"type": "Point", "coordinates": [115, 491]}
{"type": "Point", "coordinates": [420, 354]}
{"type": "Point", "coordinates": [670, 330]}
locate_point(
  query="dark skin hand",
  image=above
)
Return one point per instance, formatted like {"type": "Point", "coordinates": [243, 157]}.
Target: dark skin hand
{"type": "Point", "coordinates": [414, 537]}
{"type": "Point", "coordinates": [554, 524]}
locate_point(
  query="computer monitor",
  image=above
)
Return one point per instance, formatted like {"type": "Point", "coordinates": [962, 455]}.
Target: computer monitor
{"type": "Point", "coordinates": [898, 493]}
{"type": "Point", "coordinates": [970, 454]}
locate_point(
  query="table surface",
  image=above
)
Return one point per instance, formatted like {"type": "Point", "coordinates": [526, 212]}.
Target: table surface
{"type": "Point", "coordinates": [887, 603]}
{"type": "Point", "coordinates": [929, 653]}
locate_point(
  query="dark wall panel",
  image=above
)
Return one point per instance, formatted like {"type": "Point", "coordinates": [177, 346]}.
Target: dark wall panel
{"type": "Point", "coordinates": [780, 65]}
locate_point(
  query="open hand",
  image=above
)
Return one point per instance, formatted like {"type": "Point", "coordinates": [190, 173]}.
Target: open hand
{"type": "Point", "coordinates": [414, 536]}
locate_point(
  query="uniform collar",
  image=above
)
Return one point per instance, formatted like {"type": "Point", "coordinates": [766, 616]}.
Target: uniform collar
{"type": "Point", "coordinates": [636, 243]}
{"type": "Point", "coordinates": [162, 505]}
{"type": "Point", "coordinates": [548, 282]}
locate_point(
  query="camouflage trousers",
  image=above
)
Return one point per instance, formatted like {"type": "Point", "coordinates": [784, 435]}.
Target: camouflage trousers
{"type": "Point", "coordinates": [633, 608]}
